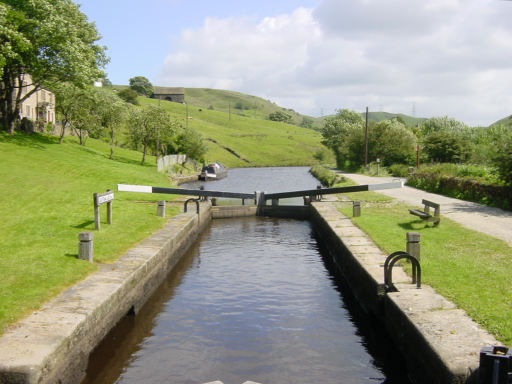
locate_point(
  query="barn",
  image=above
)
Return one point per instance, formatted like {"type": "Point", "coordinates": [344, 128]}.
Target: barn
{"type": "Point", "coordinates": [175, 94]}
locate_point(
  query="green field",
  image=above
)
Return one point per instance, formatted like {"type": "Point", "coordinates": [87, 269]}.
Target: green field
{"type": "Point", "coordinates": [46, 200]}
{"type": "Point", "coordinates": [470, 268]}
{"type": "Point", "coordinates": [259, 142]}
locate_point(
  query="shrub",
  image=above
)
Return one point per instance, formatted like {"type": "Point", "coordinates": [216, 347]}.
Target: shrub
{"type": "Point", "coordinates": [324, 175]}
{"type": "Point", "coordinates": [399, 170]}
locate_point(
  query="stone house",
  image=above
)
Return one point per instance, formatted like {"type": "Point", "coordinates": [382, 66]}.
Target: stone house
{"type": "Point", "coordinates": [175, 94]}
{"type": "Point", "coordinates": [40, 106]}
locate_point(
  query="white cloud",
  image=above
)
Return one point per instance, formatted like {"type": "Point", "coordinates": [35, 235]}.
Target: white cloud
{"type": "Point", "coordinates": [446, 57]}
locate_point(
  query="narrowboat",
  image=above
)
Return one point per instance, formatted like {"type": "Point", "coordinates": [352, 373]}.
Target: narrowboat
{"type": "Point", "coordinates": [213, 171]}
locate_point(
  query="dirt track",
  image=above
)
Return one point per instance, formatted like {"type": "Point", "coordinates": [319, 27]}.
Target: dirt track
{"type": "Point", "coordinates": [491, 221]}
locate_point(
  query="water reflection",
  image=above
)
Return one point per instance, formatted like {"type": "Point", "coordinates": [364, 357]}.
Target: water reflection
{"type": "Point", "coordinates": [253, 299]}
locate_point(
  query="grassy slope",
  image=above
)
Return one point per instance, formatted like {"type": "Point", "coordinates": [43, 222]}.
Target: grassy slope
{"type": "Point", "coordinates": [252, 106]}
{"type": "Point", "coordinates": [262, 142]}
{"type": "Point", "coordinates": [46, 200]}
{"type": "Point", "coordinates": [507, 121]}
{"type": "Point", "coordinates": [470, 268]}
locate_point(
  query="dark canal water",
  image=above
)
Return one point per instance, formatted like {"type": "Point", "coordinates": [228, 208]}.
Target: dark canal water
{"type": "Point", "coordinates": [253, 299]}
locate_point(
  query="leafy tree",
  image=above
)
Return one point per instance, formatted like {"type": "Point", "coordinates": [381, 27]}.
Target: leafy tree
{"type": "Point", "coordinates": [128, 95]}
{"type": "Point", "coordinates": [280, 116]}
{"type": "Point", "coordinates": [83, 115]}
{"type": "Point", "coordinates": [191, 143]}
{"type": "Point", "coordinates": [141, 85]}
{"type": "Point", "coordinates": [389, 140]}
{"type": "Point", "coordinates": [52, 41]}
{"type": "Point", "coordinates": [66, 95]}
{"type": "Point", "coordinates": [444, 123]}
{"type": "Point", "coordinates": [151, 126]}
{"type": "Point", "coordinates": [445, 147]}
{"type": "Point", "coordinates": [112, 113]}
{"type": "Point", "coordinates": [503, 160]}
{"type": "Point", "coordinates": [337, 130]}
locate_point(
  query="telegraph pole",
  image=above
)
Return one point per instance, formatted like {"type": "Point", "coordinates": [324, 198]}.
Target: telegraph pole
{"type": "Point", "coordinates": [366, 141]}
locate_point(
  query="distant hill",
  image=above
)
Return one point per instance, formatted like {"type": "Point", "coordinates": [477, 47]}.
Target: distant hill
{"type": "Point", "coordinates": [258, 108]}
{"type": "Point", "coordinates": [379, 116]}
{"type": "Point", "coordinates": [506, 121]}
{"type": "Point", "coordinates": [241, 104]}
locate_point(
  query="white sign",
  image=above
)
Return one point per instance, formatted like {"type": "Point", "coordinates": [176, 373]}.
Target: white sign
{"type": "Point", "coordinates": [102, 199]}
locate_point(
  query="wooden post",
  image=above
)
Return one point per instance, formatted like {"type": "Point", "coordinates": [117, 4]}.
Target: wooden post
{"type": "Point", "coordinates": [160, 210]}
{"type": "Point", "coordinates": [356, 208]}
{"type": "Point", "coordinates": [109, 210]}
{"type": "Point", "coordinates": [85, 246]}
{"type": "Point", "coordinates": [102, 198]}
{"type": "Point", "coordinates": [96, 212]}
{"type": "Point", "coordinates": [275, 202]}
{"type": "Point", "coordinates": [413, 244]}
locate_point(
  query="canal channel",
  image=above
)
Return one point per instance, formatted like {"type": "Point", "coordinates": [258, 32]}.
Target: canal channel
{"type": "Point", "coordinates": [253, 299]}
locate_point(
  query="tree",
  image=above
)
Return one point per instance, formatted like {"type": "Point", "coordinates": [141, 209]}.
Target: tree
{"type": "Point", "coordinates": [66, 95]}
{"type": "Point", "coordinates": [141, 85]}
{"type": "Point", "coordinates": [444, 123]}
{"type": "Point", "coordinates": [445, 147]}
{"type": "Point", "coordinates": [151, 126]}
{"type": "Point", "coordinates": [337, 130]}
{"type": "Point", "coordinates": [52, 41]}
{"type": "Point", "coordinates": [389, 140]}
{"type": "Point", "coordinates": [280, 116]}
{"type": "Point", "coordinates": [128, 95]}
{"type": "Point", "coordinates": [112, 113]}
{"type": "Point", "coordinates": [503, 160]}
{"type": "Point", "coordinates": [191, 143]}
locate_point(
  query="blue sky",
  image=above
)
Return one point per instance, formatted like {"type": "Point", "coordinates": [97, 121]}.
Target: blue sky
{"type": "Point", "coordinates": [427, 57]}
{"type": "Point", "coordinates": [140, 34]}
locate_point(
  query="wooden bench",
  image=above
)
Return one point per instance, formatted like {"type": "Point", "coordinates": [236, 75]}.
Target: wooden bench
{"type": "Point", "coordinates": [425, 214]}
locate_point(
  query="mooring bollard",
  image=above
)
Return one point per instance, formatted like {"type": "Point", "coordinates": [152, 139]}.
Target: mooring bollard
{"type": "Point", "coordinates": [356, 208]}
{"type": "Point", "coordinates": [160, 209]}
{"type": "Point", "coordinates": [413, 244]}
{"type": "Point", "coordinates": [85, 251]}
{"type": "Point", "coordinates": [214, 201]}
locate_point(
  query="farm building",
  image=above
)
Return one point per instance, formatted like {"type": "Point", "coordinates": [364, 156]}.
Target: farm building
{"type": "Point", "coordinates": [176, 94]}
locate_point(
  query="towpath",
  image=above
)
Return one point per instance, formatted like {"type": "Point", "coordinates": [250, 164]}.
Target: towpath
{"type": "Point", "coordinates": [491, 221]}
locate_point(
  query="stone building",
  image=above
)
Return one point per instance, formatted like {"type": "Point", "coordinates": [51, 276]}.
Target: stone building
{"type": "Point", "coordinates": [175, 94]}
{"type": "Point", "coordinates": [40, 106]}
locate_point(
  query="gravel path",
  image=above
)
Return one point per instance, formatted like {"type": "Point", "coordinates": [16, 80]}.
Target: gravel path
{"type": "Point", "coordinates": [491, 221]}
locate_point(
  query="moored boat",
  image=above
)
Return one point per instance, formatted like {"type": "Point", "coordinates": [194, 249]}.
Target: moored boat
{"type": "Point", "coordinates": [213, 171]}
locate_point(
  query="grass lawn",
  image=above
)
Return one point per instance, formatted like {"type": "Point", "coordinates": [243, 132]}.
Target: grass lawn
{"type": "Point", "coordinates": [470, 268]}
{"type": "Point", "coordinates": [46, 200]}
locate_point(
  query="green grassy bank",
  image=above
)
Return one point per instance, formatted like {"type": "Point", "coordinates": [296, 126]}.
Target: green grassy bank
{"type": "Point", "coordinates": [470, 268]}
{"type": "Point", "coordinates": [256, 142]}
{"type": "Point", "coordinates": [46, 200]}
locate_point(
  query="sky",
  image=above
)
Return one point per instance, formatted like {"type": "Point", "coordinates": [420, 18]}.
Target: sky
{"type": "Point", "coordinates": [422, 58]}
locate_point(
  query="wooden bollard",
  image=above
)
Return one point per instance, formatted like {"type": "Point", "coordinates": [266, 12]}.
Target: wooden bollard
{"type": "Point", "coordinates": [85, 246]}
{"type": "Point", "coordinates": [356, 208]}
{"type": "Point", "coordinates": [160, 209]}
{"type": "Point", "coordinates": [413, 244]}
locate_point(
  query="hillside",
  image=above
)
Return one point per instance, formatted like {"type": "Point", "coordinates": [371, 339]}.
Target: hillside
{"type": "Point", "coordinates": [241, 104]}
{"type": "Point", "coordinates": [507, 122]}
{"type": "Point", "coordinates": [380, 116]}
{"type": "Point", "coordinates": [46, 200]}
{"type": "Point", "coordinates": [239, 141]}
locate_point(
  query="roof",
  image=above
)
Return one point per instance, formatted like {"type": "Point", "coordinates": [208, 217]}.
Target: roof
{"type": "Point", "coordinates": [168, 90]}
